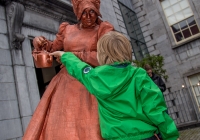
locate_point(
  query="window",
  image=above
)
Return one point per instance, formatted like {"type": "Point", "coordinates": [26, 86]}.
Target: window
{"type": "Point", "coordinates": [134, 31]}
{"type": "Point", "coordinates": [181, 19]}
{"type": "Point", "coordinates": [195, 84]}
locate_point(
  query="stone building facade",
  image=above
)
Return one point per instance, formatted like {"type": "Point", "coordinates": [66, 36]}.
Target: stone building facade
{"type": "Point", "coordinates": [171, 29]}
{"type": "Point", "coordinates": [22, 85]}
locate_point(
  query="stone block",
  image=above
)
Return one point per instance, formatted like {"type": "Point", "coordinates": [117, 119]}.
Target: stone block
{"type": "Point", "coordinates": [195, 63]}
{"type": "Point", "coordinates": [6, 74]}
{"type": "Point", "coordinates": [157, 23]}
{"type": "Point", "coordinates": [17, 57]}
{"type": "Point", "coordinates": [5, 57]}
{"type": "Point", "coordinates": [4, 42]}
{"type": "Point", "coordinates": [116, 5]}
{"type": "Point", "coordinates": [25, 122]}
{"type": "Point", "coordinates": [7, 91]}
{"type": "Point", "coordinates": [121, 24]}
{"type": "Point", "coordinates": [150, 49]}
{"type": "Point", "coordinates": [123, 30]}
{"type": "Point", "coordinates": [10, 129]}
{"type": "Point", "coordinates": [138, 4]}
{"type": "Point", "coordinates": [22, 91]}
{"type": "Point", "coordinates": [9, 110]}
{"type": "Point", "coordinates": [34, 32]}
{"type": "Point", "coordinates": [161, 38]}
{"type": "Point", "coordinates": [153, 16]}
{"type": "Point", "coordinates": [156, 52]}
{"type": "Point", "coordinates": [193, 52]}
{"type": "Point", "coordinates": [134, 1]}
{"type": "Point", "coordinates": [147, 33]}
{"type": "Point", "coordinates": [147, 39]}
{"type": "Point", "coordinates": [119, 17]}
{"type": "Point", "coordinates": [115, 1]}
{"type": "Point", "coordinates": [145, 28]}
{"type": "Point", "coordinates": [114, 22]}
{"type": "Point", "coordinates": [27, 53]}
{"type": "Point", "coordinates": [118, 11]}
{"type": "Point", "coordinates": [3, 27]}
{"type": "Point", "coordinates": [33, 87]}
{"type": "Point", "coordinates": [144, 23]}
{"type": "Point", "coordinates": [183, 56]}
{"type": "Point", "coordinates": [142, 13]}
{"type": "Point", "coordinates": [137, 10]}
{"type": "Point", "coordinates": [39, 21]}
{"type": "Point", "coordinates": [2, 13]}
{"type": "Point", "coordinates": [165, 48]}
{"type": "Point", "coordinates": [168, 59]}
{"type": "Point", "coordinates": [151, 43]}
{"type": "Point", "coordinates": [141, 19]}
{"type": "Point", "coordinates": [150, 7]}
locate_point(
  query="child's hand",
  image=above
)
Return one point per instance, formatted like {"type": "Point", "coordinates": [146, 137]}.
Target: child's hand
{"type": "Point", "coordinates": [57, 54]}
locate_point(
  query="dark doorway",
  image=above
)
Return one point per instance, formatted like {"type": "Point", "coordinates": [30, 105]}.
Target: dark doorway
{"type": "Point", "coordinates": [44, 75]}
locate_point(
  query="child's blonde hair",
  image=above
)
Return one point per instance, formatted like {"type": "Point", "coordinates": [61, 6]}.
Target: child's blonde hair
{"type": "Point", "coordinates": [113, 47]}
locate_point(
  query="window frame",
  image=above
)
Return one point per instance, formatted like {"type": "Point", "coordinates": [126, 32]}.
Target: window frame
{"type": "Point", "coordinates": [170, 33]}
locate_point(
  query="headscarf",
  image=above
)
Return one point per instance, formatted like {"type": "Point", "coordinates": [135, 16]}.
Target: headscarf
{"type": "Point", "coordinates": [80, 5]}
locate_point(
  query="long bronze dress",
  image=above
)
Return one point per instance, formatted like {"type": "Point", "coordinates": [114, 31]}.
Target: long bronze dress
{"type": "Point", "coordinates": [67, 111]}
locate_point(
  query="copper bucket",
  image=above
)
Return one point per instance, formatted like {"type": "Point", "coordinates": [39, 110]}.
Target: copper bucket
{"type": "Point", "coordinates": [42, 59]}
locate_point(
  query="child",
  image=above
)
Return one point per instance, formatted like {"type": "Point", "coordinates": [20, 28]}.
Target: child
{"type": "Point", "coordinates": [131, 106]}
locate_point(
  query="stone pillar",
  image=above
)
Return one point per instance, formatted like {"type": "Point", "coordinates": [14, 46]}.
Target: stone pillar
{"type": "Point", "coordinates": [10, 122]}
{"type": "Point", "coordinates": [22, 64]}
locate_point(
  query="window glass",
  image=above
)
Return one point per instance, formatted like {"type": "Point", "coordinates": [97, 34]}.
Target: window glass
{"type": "Point", "coordinates": [179, 37]}
{"type": "Point", "coordinates": [186, 33]}
{"type": "Point", "coordinates": [184, 4]}
{"type": "Point", "coordinates": [183, 24]}
{"type": "Point", "coordinates": [187, 12]}
{"type": "Point", "coordinates": [172, 20]}
{"type": "Point", "coordinates": [191, 21]}
{"type": "Point", "coordinates": [175, 28]}
{"type": "Point", "coordinates": [173, 1]}
{"type": "Point", "coordinates": [176, 7]}
{"type": "Point", "coordinates": [168, 11]}
{"type": "Point", "coordinates": [165, 4]}
{"type": "Point", "coordinates": [194, 81]}
{"type": "Point", "coordinates": [194, 30]}
{"type": "Point", "coordinates": [180, 18]}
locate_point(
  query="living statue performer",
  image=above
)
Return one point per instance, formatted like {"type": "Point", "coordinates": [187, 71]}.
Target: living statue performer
{"type": "Point", "coordinates": [67, 111]}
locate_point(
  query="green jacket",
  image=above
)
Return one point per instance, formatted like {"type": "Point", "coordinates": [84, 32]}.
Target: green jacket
{"type": "Point", "coordinates": [130, 105]}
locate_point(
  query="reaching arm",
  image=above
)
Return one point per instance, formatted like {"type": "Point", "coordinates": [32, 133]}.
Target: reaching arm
{"type": "Point", "coordinates": [78, 69]}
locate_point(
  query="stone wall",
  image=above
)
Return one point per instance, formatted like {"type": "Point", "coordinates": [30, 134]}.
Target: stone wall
{"type": "Point", "coordinates": [159, 40]}
{"type": "Point", "coordinates": [179, 61]}
{"type": "Point", "coordinates": [10, 118]}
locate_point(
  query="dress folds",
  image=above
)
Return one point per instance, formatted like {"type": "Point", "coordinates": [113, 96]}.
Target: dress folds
{"type": "Point", "coordinates": [67, 111]}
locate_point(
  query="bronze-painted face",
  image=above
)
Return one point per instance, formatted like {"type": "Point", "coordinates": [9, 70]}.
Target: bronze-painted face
{"type": "Point", "coordinates": [88, 18]}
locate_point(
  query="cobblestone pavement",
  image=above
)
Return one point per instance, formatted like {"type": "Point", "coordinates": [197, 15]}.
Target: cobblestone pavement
{"type": "Point", "coordinates": [190, 134]}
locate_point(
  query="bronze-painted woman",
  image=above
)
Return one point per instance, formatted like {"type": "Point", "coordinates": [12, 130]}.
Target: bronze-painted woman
{"type": "Point", "coordinates": [67, 111]}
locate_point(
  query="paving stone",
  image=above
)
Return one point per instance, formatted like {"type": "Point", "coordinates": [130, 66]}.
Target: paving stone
{"type": "Point", "coordinates": [190, 134]}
